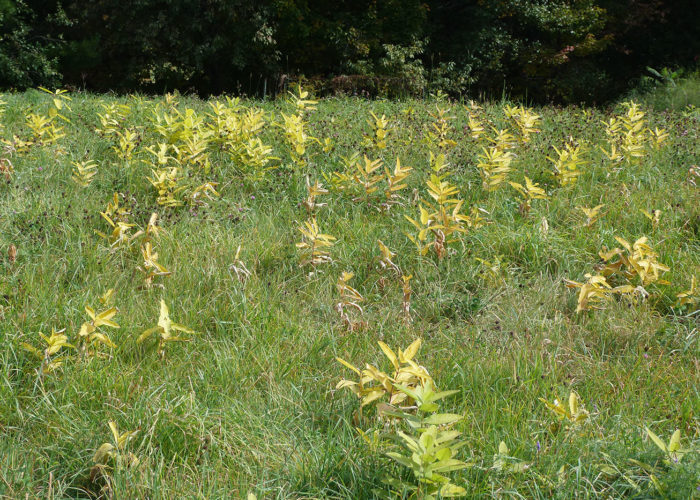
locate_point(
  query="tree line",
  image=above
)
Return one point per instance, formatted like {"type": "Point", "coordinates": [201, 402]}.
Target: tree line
{"type": "Point", "coordinates": [544, 50]}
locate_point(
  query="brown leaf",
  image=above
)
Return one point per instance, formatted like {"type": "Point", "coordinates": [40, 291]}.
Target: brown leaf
{"type": "Point", "coordinates": [12, 253]}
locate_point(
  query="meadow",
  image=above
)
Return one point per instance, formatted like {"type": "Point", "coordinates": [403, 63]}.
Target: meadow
{"type": "Point", "coordinates": [347, 298]}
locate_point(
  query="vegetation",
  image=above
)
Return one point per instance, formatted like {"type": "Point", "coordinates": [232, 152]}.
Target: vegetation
{"type": "Point", "coordinates": [345, 298]}
{"type": "Point", "coordinates": [543, 50]}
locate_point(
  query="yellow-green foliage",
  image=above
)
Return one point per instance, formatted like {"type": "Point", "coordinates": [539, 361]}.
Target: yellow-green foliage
{"type": "Point", "coordinates": [420, 438]}
{"type": "Point", "coordinates": [530, 191]}
{"type": "Point", "coordinates": [54, 344]}
{"type": "Point", "coordinates": [373, 384]}
{"type": "Point", "coordinates": [637, 260]}
{"type": "Point", "coordinates": [314, 245]}
{"type": "Point", "coordinates": [494, 166]}
{"type": "Point", "coordinates": [440, 220]}
{"type": "Point", "coordinates": [350, 300]}
{"type": "Point", "coordinates": [380, 129]}
{"type": "Point", "coordinates": [574, 415]}
{"type": "Point", "coordinates": [313, 191]}
{"type": "Point", "coordinates": [634, 264]}
{"type": "Point", "coordinates": [83, 172]}
{"type": "Point", "coordinates": [439, 131]}
{"type": "Point", "coordinates": [629, 133]}
{"type": "Point", "coordinates": [90, 331]}
{"type": "Point", "coordinates": [568, 163]}
{"type": "Point", "coordinates": [524, 119]}
{"type": "Point", "coordinates": [165, 330]}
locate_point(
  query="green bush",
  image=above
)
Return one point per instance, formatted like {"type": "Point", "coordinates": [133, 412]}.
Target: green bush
{"type": "Point", "coordinates": [27, 56]}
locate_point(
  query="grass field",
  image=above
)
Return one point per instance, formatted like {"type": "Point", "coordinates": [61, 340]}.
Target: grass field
{"type": "Point", "coordinates": [248, 404]}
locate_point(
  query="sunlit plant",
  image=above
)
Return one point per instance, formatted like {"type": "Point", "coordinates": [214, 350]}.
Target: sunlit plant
{"type": "Point", "coordinates": [494, 166]}
{"type": "Point", "coordinates": [113, 455]}
{"type": "Point", "coordinates": [673, 453]}
{"type": "Point", "coordinates": [380, 129]}
{"type": "Point", "coordinates": [47, 354]}
{"type": "Point", "coordinates": [165, 330]}
{"type": "Point", "coordinates": [574, 414]}
{"type": "Point", "coordinates": [568, 163]}
{"type": "Point", "coordinates": [92, 331]}
{"type": "Point", "coordinates": [350, 300]}
{"type": "Point", "coordinates": [83, 172]}
{"type": "Point", "coordinates": [314, 245]}
{"type": "Point", "coordinates": [592, 214]}
{"type": "Point", "coordinates": [530, 191]}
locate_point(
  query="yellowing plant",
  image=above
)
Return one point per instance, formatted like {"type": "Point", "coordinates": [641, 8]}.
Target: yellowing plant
{"type": "Point", "coordinates": [168, 184]}
{"type": "Point", "coordinates": [503, 461]}
{"type": "Point", "coordinates": [44, 129]}
{"type": "Point", "coordinates": [475, 120]}
{"type": "Point", "coordinates": [441, 219]}
{"type": "Point", "coordinates": [121, 233]}
{"type": "Point", "coordinates": [494, 166]}
{"type": "Point", "coordinates": [385, 259]}
{"type": "Point", "coordinates": [395, 181]}
{"type": "Point", "coordinates": [406, 299]}
{"type": "Point", "coordinates": [637, 259]}
{"type": "Point", "coordinates": [116, 451]}
{"type": "Point", "coordinates": [530, 191]}
{"type": "Point", "coordinates": [593, 293]}
{"type": "Point", "coordinates": [151, 268]}
{"type": "Point", "coordinates": [313, 190]}
{"type": "Point", "coordinates": [301, 100]}
{"type": "Point", "coordinates": [90, 332]}
{"type": "Point", "coordinates": [164, 330]}
{"type": "Point", "coordinates": [53, 345]}
{"type": "Point", "coordinates": [126, 144]}
{"type": "Point", "coordinates": [113, 119]}
{"type": "Point", "coordinates": [592, 214]}
{"type": "Point", "coordinates": [380, 131]}
{"type": "Point", "coordinates": [349, 299]}
{"type": "Point", "coordinates": [629, 132]}
{"type": "Point", "coordinates": [672, 451]}
{"type": "Point", "coordinates": [239, 267]}
{"type": "Point", "coordinates": [439, 130]}
{"type": "Point", "coordinates": [525, 120]}
{"type": "Point", "coordinates": [113, 455]}
{"type": "Point", "coordinates": [654, 216]}
{"type": "Point", "coordinates": [374, 384]}
{"type": "Point", "coordinates": [83, 172]}
{"type": "Point", "coordinates": [314, 244]}
{"type": "Point", "coordinates": [419, 438]}
{"type": "Point", "coordinates": [567, 164]}
{"type": "Point", "coordinates": [202, 194]}
{"type": "Point", "coordinates": [297, 138]}
{"type": "Point", "coordinates": [689, 297]}
{"type": "Point", "coordinates": [502, 139]}
{"type": "Point", "coordinates": [575, 414]}
{"type": "Point", "coordinates": [366, 176]}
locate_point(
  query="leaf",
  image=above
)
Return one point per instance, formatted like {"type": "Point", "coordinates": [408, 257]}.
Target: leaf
{"type": "Point", "coordinates": [443, 419]}
{"type": "Point", "coordinates": [102, 453]}
{"type": "Point", "coordinates": [347, 365]}
{"type": "Point", "coordinates": [675, 443]}
{"type": "Point", "coordinates": [411, 350]}
{"type": "Point", "coordinates": [452, 490]}
{"type": "Point", "coordinates": [400, 459]}
{"type": "Point", "coordinates": [450, 465]}
{"type": "Point", "coordinates": [147, 334]}
{"type": "Point", "coordinates": [389, 354]}
{"type": "Point", "coordinates": [657, 440]}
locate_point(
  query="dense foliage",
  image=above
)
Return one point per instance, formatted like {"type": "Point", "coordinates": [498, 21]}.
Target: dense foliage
{"type": "Point", "coordinates": [347, 298]}
{"type": "Point", "coordinates": [582, 50]}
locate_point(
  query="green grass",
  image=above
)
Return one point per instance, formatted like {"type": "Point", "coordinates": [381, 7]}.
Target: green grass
{"type": "Point", "coordinates": [249, 403]}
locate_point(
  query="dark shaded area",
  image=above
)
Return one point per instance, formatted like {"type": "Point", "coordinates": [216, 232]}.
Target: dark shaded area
{"type": "Point", "coordinates": [545, 50]}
